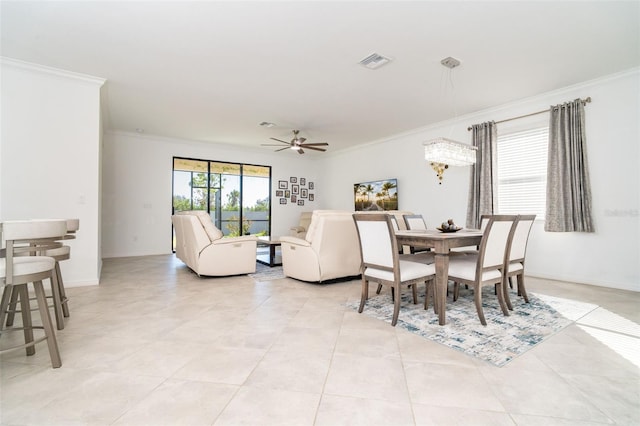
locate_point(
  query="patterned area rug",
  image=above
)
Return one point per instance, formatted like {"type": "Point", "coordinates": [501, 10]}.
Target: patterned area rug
{"type": "Point", "coordinates": [502, 340]}
{"type": "Point", "coordinates": [266, 273]}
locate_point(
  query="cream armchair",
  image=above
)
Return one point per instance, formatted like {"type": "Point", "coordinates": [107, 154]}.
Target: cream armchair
{"type": "Point", "coordinates": [201, 246]}
{"type": "Point", "coordinates": [300, 230]}
{"type": "Point", "coordinates": [329, 250]}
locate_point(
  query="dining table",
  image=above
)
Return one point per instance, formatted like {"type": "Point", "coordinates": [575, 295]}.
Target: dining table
{"type": "Point", "coordinates": [441, 243]}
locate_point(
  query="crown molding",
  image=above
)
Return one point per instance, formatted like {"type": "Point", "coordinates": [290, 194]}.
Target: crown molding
{"type": "Point", "coordinates": [29, 66]}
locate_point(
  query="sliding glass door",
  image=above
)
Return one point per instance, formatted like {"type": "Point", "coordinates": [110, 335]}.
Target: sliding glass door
{"type": "Point", "coordinates": [236, 196]}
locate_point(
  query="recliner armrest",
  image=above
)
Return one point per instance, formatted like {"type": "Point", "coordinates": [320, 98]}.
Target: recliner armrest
{"type": "Point", "coordinates": [295, 241]}
{"type": "Point", "coordinates": [233, 240]}
{"type": "Point", "coordinates": [298, 228]}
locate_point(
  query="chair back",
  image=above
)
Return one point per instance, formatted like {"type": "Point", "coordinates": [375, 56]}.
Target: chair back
{"type": "Point", "coordinates": [414, 222]}
{"type": "Point", "coordinates": [518, 246]}
{"type": "Point", "coordinates": [377, 240]}
{"type": "Point", "coordinates": [484, 220]}
{"type": "Point", "coordinates": [495, 241]}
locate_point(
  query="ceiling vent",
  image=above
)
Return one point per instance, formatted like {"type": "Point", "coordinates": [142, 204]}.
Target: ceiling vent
{"type": "Point", "coordinates": [374, 61]}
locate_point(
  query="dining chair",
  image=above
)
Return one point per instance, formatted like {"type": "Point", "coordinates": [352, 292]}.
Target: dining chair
{"type": "Point", "coordinates": [381, 262]}
{"type": "Point", "coordinates": [487, 267]}
{"type": "Point", "coordinates": [18, 271]}
{"type": "Point", "coordinates": [516, 256]}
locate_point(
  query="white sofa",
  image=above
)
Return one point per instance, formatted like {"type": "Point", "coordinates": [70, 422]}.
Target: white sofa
{"type": "Point", "coordinates": [329, 250]}
{"type": "Point", "coordinates": [202, 247]}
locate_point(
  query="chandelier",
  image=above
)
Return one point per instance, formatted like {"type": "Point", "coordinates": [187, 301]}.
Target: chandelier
{"type": "Point", "coordinates": [442, 153]}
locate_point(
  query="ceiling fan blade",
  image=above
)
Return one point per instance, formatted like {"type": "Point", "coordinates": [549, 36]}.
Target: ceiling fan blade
{"type": "Point", "coordinates": [301, 140]}
{"type": "Point", "coordinates": [316, 144]}
{"type": "Point", "coordinates": [269, 144]}
{"type": "Point", "coordinates": [281, 149]}
{"type": "Point", "coordinates": [288, 143]}
{"type": "Point", "coordinates": [300, 151]}
{"type": "Point", "coordinates": [314, 148]}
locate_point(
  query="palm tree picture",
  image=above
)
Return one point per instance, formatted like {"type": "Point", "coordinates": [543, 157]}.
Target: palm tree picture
{"type": "Point", "coordinates": [376, 195]}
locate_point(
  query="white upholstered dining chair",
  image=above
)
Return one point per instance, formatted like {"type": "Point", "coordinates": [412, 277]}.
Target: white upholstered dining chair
{"type": "Point", "coordinates": [516, 256]}
{"type": "Point", "coordinates": [487, 267]}
{"type": "Point", "coordinates": [381, 262]}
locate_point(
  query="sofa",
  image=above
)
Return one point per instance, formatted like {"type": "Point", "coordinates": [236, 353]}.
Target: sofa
{"type": "Point", "coordinates": [329, 250]}
{"type": "Point", "coordinates": [202, 247]}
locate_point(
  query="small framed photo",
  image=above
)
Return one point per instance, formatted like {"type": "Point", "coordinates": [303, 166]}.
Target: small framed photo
{"type": "Point", "coordinates": [311, 197]}
{"type": "Point", "coordinates": [283, 201]}
{"type": "Point", "coordinates": [301, 202]}
{"type": "Point", "coordinates": [311, 185]}
{"type": "Point", "coordinates": [282, 184]}
{"type": "Point", "coordinates": [295, 189]}
{"type": "Point", "coordinates": [303, 181]}
{"type": "Point", "coordinates": [279, 193]}
{"type": "Point", "coordinates": [304, 192]}
{"type": "Point", "coordinates": [294, 198]}
{"type": "Point", "coordinates": [293, 179]}
{"type": "Point", "coordinates": [287, 194]}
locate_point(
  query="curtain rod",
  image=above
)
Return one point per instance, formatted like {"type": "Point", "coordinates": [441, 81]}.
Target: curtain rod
{"type": "Point", "coordinates": [584, 101]}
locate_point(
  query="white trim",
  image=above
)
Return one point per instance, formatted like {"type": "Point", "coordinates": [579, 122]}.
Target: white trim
{"type": "Point", "coordinates": [28, 66]}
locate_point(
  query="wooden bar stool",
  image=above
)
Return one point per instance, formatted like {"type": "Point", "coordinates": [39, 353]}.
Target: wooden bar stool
{"type": "Point", "coordinates": [18, 271]}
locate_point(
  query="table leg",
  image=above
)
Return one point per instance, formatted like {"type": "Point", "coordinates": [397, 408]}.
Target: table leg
{"type": "Point", "coordinates": [272, 255]}
{"type": "Point", "coordinates": [442, 279]}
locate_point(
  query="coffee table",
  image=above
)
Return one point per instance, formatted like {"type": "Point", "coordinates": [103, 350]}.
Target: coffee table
{"type": "Point", "coordinates": [273, 257]}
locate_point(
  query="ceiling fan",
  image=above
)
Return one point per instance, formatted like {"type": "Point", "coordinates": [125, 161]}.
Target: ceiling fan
{"type": "Point", "coordinates": [297, 143]}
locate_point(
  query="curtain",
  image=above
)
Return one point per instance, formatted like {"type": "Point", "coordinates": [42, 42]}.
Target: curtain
{"type": "Point", "coordinates": [568, 188]}
{"type": "Point", "coordinates": [483, 181]}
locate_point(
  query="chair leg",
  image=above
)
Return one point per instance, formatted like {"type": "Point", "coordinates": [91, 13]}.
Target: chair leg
{"type": "Point", "coordinates": [396, 305]}
{"type": "Point", "coordinates": [13, 303]}
{"type": "Point", "coordinates": [456, 291]}
{"type": "Point", "coordinates": [503, 305]}
{"type": "Point", "coordinates": [63, 294]}
{"type": "Point", "coordinates": [47, 325]}
{"type": "Point", "coordinates": [379, 289]}
{"type": "Point", "coordinates": [477, 295]}
{"type": "Point", "coordinates": [414, 289]}
{"type": "Point", "coordinates": [57, 301]}
{"type": "Point", "coordinates": [521, 289]}
{"type": "Point", "coordinates": [27, 324]}
{"type": "Point", "coordinates": [505, 293]}
{"type": "Point", "coordinates": [4, 304]}
{"type": "Point", "coordinates": [365, 294]}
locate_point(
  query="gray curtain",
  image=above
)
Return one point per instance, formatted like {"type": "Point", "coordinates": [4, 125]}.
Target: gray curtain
{"type": "Point", "coordinates": [483, 181]}
{"type": "Point", "coordinates": [568, 187]}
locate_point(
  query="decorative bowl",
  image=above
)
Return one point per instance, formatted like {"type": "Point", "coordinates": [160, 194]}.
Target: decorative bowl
{"type": "Point", "coordinates": [456, 229]}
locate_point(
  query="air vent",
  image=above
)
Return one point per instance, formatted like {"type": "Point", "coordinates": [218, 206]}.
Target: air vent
{"type": "Point", "coordinates": [374, 61]}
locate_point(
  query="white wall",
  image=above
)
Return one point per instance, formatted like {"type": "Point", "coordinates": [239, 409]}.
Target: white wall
{"type": "Point", "coordinates": [50, 160]}
{"type": "Point", "coordinates": [137, 188]}
{"type": "Point", "coordinates": [609, 257]}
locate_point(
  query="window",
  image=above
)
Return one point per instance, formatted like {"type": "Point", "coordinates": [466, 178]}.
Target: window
{"type": "Point", "coordinates": [522, 172]}
{"type": "Point", "coordinates": [235, 195]}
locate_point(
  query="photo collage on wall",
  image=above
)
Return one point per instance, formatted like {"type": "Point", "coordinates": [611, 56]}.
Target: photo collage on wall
{"type": "Point", "coordinates": [295, 191]}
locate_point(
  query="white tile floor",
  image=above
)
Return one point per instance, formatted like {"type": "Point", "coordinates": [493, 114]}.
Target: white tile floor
{"type": "Point", "coordinates": [154, 344]}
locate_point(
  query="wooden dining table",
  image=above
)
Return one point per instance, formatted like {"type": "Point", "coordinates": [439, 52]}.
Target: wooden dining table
{"type": "Point", "coordinates": [441, 243]}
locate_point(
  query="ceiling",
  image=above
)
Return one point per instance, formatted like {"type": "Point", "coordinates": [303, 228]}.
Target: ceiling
{"type": "Point", "coordinates": [213, 70]}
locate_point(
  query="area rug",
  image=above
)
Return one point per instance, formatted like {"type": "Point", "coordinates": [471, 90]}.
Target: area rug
{"type": "Point", "coordinates": [501, 340]}
{"type": "Point", "coordinates": [266, 273]}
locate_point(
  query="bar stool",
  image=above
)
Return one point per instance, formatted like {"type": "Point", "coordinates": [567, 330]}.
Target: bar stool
{"type": "Point", "coordinates": [51, 247]}
{"type": "Point", "coordinates": [17, 271]}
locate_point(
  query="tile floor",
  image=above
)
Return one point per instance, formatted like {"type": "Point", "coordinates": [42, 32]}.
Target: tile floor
{"type": "Point", "coordinates": [154, 344]}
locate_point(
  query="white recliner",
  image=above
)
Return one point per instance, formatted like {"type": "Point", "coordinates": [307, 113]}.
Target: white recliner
{"type": "Point", "coordinates": [329, 250]}
{"type": "Point", "coordinates": [201, 246]}
{"type": "Point", "coordinates": [300, 230]}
